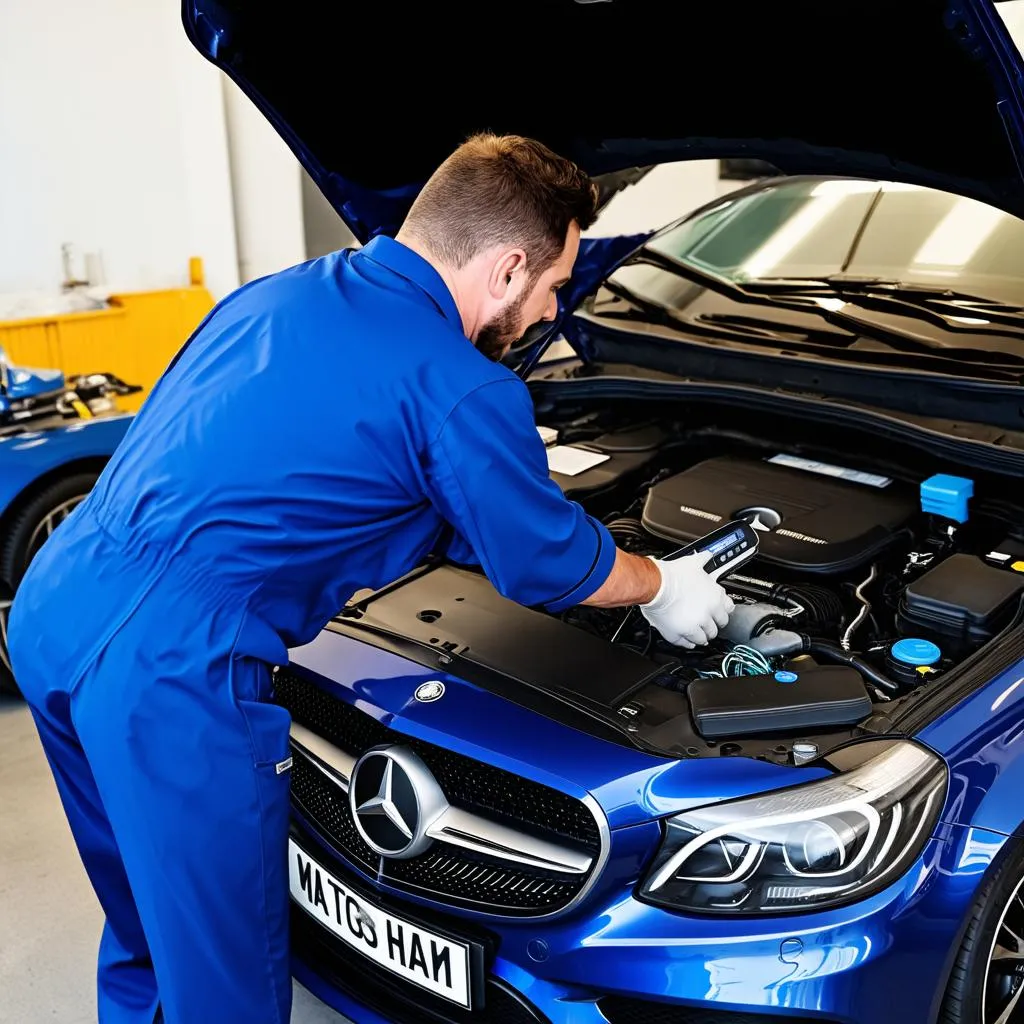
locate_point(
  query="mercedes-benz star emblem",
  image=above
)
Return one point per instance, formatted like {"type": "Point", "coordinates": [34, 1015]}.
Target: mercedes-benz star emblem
{"type": "Point", "coordinates": [426, 693]}
{"type": "Point", "coordinates": [764, 520]}
{"type": "Point", "coordinates": [384, 803]}
{"type": "Point", "coordinates": [394, 800]}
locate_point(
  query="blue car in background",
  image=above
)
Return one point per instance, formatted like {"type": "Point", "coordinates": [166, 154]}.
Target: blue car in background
{"type": "Point", "coordinates": [56, 435]}
{"type": "Point", "coordinates": [506, 816]}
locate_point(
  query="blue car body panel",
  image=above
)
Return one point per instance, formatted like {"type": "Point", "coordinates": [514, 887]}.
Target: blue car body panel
{"type": "Point", "coordinates": [631, 786]}
{"type": "Point", "coordinates": [842, 966]}
{"type": "Point", "coordinates": [25, 458]}
{"type": "Point", "coordinates": [840, 962]}
{"type": "Point", "coordinates": [982, 741]}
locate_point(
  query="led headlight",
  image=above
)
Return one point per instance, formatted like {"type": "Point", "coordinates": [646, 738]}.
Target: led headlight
{"type": "Point", "coordinates": [812, 846]}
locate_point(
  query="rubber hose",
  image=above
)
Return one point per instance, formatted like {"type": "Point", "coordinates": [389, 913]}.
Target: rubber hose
{"type": "Point", "coordinates": [824, 606]}
{"type": "Point", "coordinates": [830, 650]}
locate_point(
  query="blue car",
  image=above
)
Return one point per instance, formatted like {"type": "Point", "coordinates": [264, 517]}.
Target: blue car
{"type": "Point", "coordinates": [507, 816]}
{"type": "Point", "coordinates": [56, 434]}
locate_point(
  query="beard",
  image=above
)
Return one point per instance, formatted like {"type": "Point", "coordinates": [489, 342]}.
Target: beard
{"type": "Point", "coordinates": [501, 332]}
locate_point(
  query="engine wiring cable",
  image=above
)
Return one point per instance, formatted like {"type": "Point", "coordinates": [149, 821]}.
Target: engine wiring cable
{"type": "Point", "coordinates": [745, 661]}
{"type": "Point", "coordinates": [865, 609]}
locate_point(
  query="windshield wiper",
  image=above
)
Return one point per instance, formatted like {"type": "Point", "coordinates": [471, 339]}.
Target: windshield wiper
{"type": "Point", "coordinates": [652, 311]}
{"type": "Point", "coordinates": [803, 295]}
{"type": "Point", "coordinates": [949, 308]}
{"type": "Point", "coordinates": [747, 322]}
{"type": "Point", "coordinates": [883, 285]}
{"type": "Point", "coordinates": [851, 332]}
{"type": "Point", "coordinates": [894, 340]}
{"type": "Point", "coordinates": [835, 284]}
{"type": "Point", "coordinates": [754, 330]}
{"type": "Point", "coordinates": [689, 271]}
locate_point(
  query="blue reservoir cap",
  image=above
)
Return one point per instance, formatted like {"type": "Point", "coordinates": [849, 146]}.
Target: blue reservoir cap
{"type": "Point", "coordinates": [786, 677]}
{"type": "Point", "coordinates": [912, 651]}
{"type": "Point", "coordinates": [947, 496]}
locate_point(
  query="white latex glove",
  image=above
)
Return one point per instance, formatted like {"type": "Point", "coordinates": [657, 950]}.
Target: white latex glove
{"type": "Point", "coordinates": [689, 607]}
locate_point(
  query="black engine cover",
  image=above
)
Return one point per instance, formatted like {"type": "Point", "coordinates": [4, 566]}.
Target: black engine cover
{"type": "Point", "coordinates": [805, 521]}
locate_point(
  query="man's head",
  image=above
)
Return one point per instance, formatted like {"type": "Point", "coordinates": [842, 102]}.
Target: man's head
{"type": "Point", "coordinates": [500, 220]}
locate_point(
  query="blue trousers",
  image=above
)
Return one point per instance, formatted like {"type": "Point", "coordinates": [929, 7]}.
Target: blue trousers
{"type": "Point", "coordinates": [172, 769]}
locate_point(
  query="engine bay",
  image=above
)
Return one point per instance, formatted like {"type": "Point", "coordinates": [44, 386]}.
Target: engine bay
{"type": "Point", "coordinates": [873, 578]}
{"type": "Point", "coordinates": [896, 579]}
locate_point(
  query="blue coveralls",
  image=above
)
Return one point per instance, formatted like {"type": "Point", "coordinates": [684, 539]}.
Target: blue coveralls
{"type": "Point", "coordinates": [315, 436]}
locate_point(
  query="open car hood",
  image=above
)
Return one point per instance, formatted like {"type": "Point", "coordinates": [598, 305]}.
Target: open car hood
{"type": "Point", "coordinates": [924, 91]}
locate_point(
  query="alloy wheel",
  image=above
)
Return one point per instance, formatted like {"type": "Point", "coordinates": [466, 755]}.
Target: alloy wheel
{"type": "Point", "coordinates": [1002, 996]}
{"type": "Point", "coordinates": [50, 522]}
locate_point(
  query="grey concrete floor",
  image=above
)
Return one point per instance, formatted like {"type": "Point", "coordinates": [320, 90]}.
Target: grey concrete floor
{"type": "Point", "coordinates": [49, 919]}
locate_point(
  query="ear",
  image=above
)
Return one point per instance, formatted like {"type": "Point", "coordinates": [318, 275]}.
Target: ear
{"type": "Point", "coordinates": [508, 273]}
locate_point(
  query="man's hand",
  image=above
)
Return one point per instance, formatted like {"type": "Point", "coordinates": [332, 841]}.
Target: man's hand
{"type": "Point", "coordinates": [690, 607]}
{"type": "Point", "coordinates": [678, 598]}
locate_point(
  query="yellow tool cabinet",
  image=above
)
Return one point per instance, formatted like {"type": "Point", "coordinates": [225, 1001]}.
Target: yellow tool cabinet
{"type": "Point", "coordinates": [134, 338]}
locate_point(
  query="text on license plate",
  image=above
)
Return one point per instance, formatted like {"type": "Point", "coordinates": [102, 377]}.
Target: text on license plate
{"type": "Point", "coordinates": [422, 957]}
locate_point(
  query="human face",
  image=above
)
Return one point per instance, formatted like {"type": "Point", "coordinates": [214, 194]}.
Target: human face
{"type": "Point", "coordinates": [529, 305]}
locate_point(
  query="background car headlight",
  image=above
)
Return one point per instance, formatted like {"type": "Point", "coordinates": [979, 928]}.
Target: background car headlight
{"type": "Point", "coordinates": [812, 846]}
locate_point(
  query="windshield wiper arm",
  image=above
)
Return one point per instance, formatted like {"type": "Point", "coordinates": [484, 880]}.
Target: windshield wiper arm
{"type": "Point", "coordinates": [646, 305]}
{"type": "Point", "coordinates": [913, 294]}
{"type": "Point", "coordinates": [826, 335]}
{"type": "Point", "coordinates": [794, 294]}
{"type": "Point", "coordinates": [851, 331]}
{"type": "Point", "coordinates": [689, 271]}
{"type": "Point", "coordinates": [948, 308]}
{"type": "Point", "coordinates": [920, 291]}
{"type": "Point", "coordinates": [857, 331]}
{"type": "Point", "coordinates": [705, 326]}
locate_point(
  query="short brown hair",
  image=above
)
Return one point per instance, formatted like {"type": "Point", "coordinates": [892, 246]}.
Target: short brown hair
{"type": "Point", "coordinates": [502, 189]}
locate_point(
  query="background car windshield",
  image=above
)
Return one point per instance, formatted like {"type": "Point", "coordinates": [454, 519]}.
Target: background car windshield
{"type": "Point", "coordinates": [813, 228]}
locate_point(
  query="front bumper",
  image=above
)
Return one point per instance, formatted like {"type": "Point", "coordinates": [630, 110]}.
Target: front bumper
{"type": "Point", "coordinates": [883, 960]}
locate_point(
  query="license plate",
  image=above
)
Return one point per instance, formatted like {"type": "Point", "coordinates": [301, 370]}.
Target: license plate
{"type": "Point", "coordinates": [431, 961]}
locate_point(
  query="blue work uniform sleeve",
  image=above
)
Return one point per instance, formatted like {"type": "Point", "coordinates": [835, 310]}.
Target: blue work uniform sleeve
{"type": "Point", "coordinates": [487, 474]}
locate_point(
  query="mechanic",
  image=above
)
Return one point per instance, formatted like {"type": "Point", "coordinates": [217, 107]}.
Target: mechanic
{"type": "Point", "coordinates": [324, 430]}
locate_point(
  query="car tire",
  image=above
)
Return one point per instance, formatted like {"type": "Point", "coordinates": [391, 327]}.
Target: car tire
{"type": "Point", "coordinates": [7, 684]}
{"type": "Point", "coordinates": [31, 525]}
{"type": "Point", "coordinates": [988, 975]}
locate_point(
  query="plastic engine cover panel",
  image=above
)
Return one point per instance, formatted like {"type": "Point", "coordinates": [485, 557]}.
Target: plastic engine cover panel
{"type": "Point", "coordinates": [629, 452]}
{"type": "Point", "coordinates": [805, 520]}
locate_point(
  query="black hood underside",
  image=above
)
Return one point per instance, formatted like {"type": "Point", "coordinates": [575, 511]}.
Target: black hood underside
{"type": "Point", "coordinates": [920, 90]}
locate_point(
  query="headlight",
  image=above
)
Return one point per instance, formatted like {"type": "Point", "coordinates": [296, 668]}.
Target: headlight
{"type": "Point", "coordinates": [812, 846]}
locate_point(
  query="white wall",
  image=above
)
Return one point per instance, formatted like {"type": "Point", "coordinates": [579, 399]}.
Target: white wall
{"type": "Point", "coordinates": [325, 230]}
{"type": "Point", "coordinates": [1012, 12]}
{"type": "Point", "coordinates": [112, 137]}
{"type": "Point", "coordinates": [267, 187]}
{"type": "Point", "coordinates": [116, 136]}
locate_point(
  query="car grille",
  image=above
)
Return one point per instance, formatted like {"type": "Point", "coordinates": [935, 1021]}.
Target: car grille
{"type": "Point", "coordinates": [619, 1010]}
{"type": "Point", "coordinates": [390, 996]}
{"type": "Point", "coordinates": [327, 807]}
{"type": "Point", "coordinates": [445, 872]}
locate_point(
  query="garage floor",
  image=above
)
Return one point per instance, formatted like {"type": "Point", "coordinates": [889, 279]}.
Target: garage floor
{"type": "Point", "coordinates": [49, 919]}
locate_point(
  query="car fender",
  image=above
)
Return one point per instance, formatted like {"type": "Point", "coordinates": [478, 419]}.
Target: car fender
{"type": "Point", "coordinates": [982, 741]}
{"type": "Point", "coordinates": [27, 457]}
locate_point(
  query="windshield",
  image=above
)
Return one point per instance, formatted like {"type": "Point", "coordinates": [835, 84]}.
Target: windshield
{"type": "Point", "coordinates": [817, 228]}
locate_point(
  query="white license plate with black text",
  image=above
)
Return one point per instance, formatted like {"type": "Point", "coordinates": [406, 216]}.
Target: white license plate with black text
{"type": "Point", "coordinates": [422, 957]}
